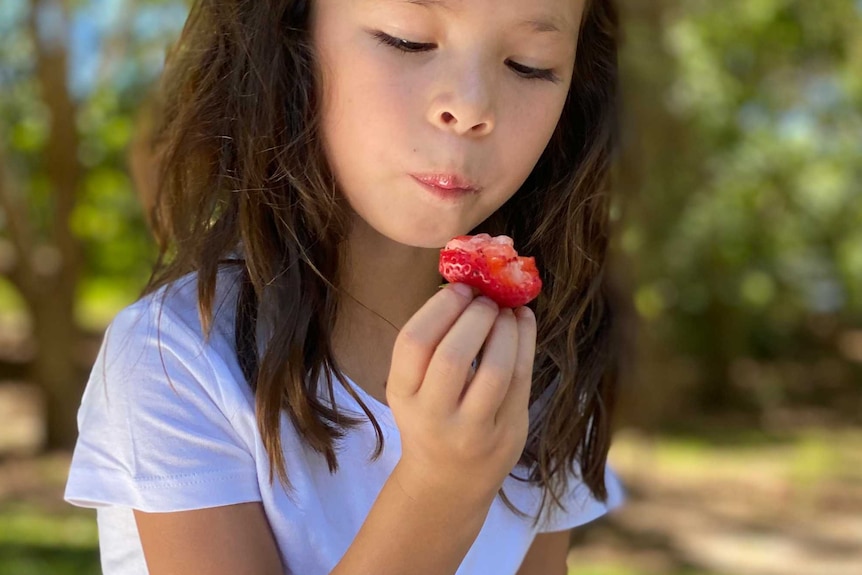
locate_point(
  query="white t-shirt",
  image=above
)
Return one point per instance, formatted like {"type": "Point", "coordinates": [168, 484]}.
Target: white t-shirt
{"type": "Point", "coordinates": [146, 445]}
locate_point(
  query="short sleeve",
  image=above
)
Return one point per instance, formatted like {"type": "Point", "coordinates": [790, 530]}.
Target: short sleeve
{"type": "Point", "coordinates": [155, 426]}
{"type": "Point", "coordinates": [581, 506]}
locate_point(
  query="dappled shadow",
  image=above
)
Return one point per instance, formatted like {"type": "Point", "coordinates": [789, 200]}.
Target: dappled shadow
{"type": "Point", "coordinates": [816, 536]}
{"type": "Point", "coordinates": [686, 519]}
{"type": "Point", "coordinates": [612, 542]}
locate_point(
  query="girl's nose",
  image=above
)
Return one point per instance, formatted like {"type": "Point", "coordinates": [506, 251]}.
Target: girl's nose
{"type": "Point", "coordinates": [464, 106]}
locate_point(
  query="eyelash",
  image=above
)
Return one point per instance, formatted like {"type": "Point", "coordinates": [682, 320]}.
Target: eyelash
{"type": "Point", "coordinates": [414, 47]}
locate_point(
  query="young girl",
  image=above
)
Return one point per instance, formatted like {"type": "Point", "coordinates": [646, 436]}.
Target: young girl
{"type": "Point", "coordinates": [293, 393]}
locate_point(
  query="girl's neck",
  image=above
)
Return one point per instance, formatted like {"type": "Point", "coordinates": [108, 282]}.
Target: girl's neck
{"type": "Point", "coordinates": [387, 283]}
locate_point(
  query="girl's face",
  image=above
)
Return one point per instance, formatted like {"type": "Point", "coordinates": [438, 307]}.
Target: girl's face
{"type": "Point", "coordinates": [471, 88]}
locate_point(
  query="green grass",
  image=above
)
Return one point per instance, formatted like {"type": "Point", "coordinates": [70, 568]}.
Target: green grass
{"type": "Point", "coordinates": [30, 560]}
{"type": "Point", "coordinates": [35, 542]}
{"type": "Point", "coordinates": [602, 569]}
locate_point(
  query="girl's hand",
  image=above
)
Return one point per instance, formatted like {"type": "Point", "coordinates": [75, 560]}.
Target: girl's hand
{"type": "Point", "coordinates": [461, 437]}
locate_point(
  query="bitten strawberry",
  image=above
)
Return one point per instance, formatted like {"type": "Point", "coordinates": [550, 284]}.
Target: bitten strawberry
{"type": "Point", "coordinates": [492, 265]}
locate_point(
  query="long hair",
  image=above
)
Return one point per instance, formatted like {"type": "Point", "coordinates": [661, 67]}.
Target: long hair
{"type": "Point", "coordinates": [241, 160]}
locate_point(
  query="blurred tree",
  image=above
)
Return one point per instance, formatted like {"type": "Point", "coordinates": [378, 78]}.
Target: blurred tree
{"type": "Point", "coordinates": [47, 263]}
{"type": "Point", "coordinates": [744, 152]}
{"type": "Point", "coordinates": [72, 231]}
{"type": "Point", "coordinates": [740, 227]}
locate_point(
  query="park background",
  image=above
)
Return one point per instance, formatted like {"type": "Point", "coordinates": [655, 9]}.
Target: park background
{"type": "Point", "coordinates": [737, 264]}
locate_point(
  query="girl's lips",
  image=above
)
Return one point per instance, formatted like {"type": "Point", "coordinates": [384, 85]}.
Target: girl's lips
{"type": "Point", "coordinates": [452, 195]}
{"type": "Point", "coordinates": [447, 181]}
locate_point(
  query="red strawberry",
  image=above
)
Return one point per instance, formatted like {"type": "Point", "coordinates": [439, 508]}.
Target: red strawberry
{"type": "Point", "coordinates": [493, 266]}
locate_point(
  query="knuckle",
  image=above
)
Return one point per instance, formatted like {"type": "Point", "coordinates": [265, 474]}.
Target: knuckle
{"type": "Point", "coordinates": [493, 376]}
{"type": "Point", "coordinates": [441, 370]}
{"type": "Point", "coordinates": [486, 303]}
{"type": "Point", "coordinates": [410, 339]}
{"type": "Point", "coordinates": [450, 354]}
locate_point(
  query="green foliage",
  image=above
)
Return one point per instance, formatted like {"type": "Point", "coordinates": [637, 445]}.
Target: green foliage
{"type": "Point", "coordinates": [749, 193]}
{"type": "Point", "coordinates": [118, 249]}
{"type": "Point", "coordinates": [761, 84]}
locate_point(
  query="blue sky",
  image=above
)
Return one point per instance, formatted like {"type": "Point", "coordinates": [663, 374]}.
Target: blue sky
{"type": "Point", "coordinates": [154, 25]}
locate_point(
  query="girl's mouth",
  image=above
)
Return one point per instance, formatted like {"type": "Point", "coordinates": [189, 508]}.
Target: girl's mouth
{"type": "Point", "coordinates": [447, 181]}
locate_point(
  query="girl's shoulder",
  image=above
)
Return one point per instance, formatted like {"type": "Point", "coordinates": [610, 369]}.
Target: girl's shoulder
{"type": "Point", "coordinates": [172, 313]}
{"type": "Point", "coordinates": [163, 332]}
{"type": "Point", "coordinates": [178, 301]}
{"type": "Point", "coordinates": [163, 410]}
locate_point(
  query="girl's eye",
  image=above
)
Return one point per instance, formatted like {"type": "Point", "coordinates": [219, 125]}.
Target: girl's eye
{"type": "Point", "coordinates": [533, 73]}
{"type": "Point", "coordinates": [402, 45]}
{"type": "Point", "coordinates": [411, 47]}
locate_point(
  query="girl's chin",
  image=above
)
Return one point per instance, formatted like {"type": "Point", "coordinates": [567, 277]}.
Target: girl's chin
{"type": "Point", "coordinates": [434, 239]}
{"type": "Point", "coordinates": [420, 226]}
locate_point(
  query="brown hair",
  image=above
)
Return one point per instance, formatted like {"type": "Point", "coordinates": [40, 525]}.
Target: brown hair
{"type": "Point", "coordinates": [241, 163]}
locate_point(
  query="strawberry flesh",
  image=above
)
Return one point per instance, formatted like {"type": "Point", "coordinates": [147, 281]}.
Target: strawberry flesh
{"type": "Point", "coordinates": [491, 265]}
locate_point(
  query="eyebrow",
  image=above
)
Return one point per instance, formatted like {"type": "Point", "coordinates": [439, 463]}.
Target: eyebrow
{"type": "Point", "coordinates": [540, 24]}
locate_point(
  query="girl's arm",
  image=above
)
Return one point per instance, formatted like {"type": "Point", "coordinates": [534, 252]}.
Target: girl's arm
{"type": "Point", "coordinates": [218, 541]}
{"type": "Point", "coordinates": [424, 536]}
{"type": "Point", "coordinates": [547, 554]}
{"type": "Point", "coordinates": [428, 535]}
{"type": "Point", "coordinates": [460, 438]}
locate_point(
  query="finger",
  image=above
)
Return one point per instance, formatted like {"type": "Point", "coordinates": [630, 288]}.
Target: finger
{"type": "Point", "coordinates": [489, 386]}
{"type": "Point", "coordinates": [447, 372]}
{"type": "Point", "coordinates": [517, 400]}
{"type": "Point", "coordinates": [419, 337]}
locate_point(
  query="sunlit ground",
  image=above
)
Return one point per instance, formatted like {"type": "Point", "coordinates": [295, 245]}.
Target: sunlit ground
{"type": "Point", "coordinates": [732, 505]}
{"type": "Point", "coordinates": [754, 506]}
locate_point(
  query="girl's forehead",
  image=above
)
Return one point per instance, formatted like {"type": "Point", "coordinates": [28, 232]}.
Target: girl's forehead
{"type": "Point", "coordinates": [559, 16]}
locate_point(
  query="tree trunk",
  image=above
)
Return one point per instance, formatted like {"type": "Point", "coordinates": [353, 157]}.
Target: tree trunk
{"type": "Point", "coordinates": [54, 267]}
{"type": "Point", "coordinates": [55, 367]}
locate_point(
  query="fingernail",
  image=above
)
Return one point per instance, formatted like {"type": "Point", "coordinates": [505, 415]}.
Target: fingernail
{"type": "Point", "coordinates": [463, 289]}
{"type": "Point", "coordinates": [524, 312]}
{"type": "Point", "coordinates": [489, 301]}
